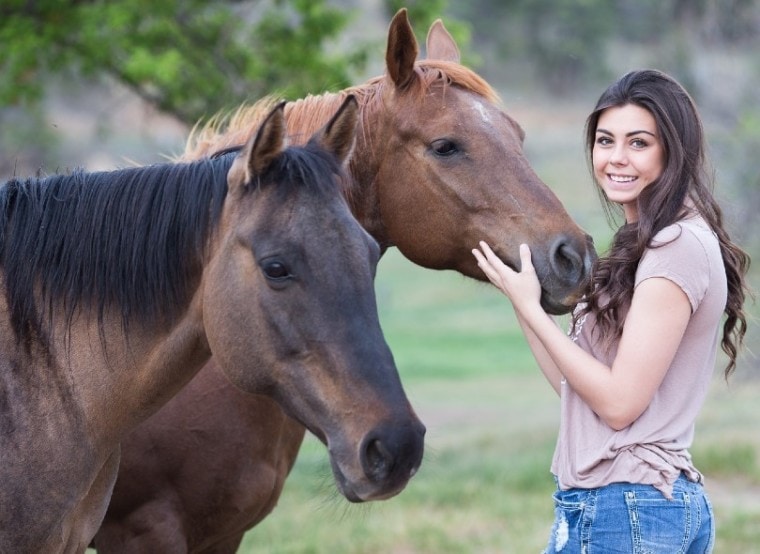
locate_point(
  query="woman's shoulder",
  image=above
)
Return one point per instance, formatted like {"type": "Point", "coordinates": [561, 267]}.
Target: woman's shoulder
{"type": "Point", "coordinates": [688, 233]}
{"type": "Point", "coordinates": [686, 253]}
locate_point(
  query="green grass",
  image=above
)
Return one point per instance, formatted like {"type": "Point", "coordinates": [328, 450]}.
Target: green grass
{"type": "Point", "coordinates": [471, 513]}
{"type": "Point", "coordinates": [480, 482]}
{"type": "Point", "coordinates": [485, 486]}
{"type": "Point", "coordinates": [431, 319]}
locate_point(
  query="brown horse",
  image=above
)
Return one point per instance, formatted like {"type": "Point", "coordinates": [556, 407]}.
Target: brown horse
{"type": "Point", "coordinates": [119, 286]}
{"type": "Point", "coordinates": [437, 167]}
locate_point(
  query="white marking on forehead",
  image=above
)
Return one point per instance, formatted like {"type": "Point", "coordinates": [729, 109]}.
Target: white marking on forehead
{"type": "Point", "coordinates": [480, 108]}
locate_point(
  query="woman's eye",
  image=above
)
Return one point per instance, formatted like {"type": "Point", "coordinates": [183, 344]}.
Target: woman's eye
{"type": "Point", "coordinates": [638, 143]}
{"type": "Point", "coordinates": [276, 271]}
{"type": "Point", "coordinates": [444, 147]}
{"type": "Point", "coordinates": [604, 141]}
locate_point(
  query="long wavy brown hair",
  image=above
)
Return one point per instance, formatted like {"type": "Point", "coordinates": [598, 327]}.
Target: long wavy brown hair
{"type": "Point", "coordinates": [685, 180]}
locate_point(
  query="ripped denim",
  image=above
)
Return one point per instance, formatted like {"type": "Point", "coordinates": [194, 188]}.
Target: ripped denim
{"type": "Point", "coordinates": [632, 519]}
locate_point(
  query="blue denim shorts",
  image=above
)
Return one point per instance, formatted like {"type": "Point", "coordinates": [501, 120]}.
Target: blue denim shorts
{"type": "Point", "coordinates": [633, 519]}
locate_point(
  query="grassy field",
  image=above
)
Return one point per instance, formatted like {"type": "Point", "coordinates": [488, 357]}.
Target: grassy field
{"type": "Point", "coordinates": [485, 486]}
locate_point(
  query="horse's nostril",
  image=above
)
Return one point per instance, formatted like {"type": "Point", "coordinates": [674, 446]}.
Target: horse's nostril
{"type": "Point", "coordinates": [566, 261]}
{"type": "Point", "coordinates": [390, 455]}
{"type": "Point", "coordinates": [378, 460]}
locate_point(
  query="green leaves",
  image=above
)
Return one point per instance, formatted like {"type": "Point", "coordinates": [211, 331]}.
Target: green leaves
{"type": "Point", "coordinates": [191, 58]}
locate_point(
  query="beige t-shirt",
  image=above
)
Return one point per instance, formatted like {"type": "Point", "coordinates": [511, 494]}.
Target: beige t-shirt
{"type": "Point", "coordinates": [654, 448]}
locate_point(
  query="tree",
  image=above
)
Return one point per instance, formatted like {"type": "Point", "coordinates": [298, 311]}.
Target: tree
{"type": "Point", "coordinates": [189, 58]}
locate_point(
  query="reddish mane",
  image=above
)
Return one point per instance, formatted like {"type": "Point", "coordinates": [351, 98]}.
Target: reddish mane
{"type": "Point", "coordinates": [307, 114]}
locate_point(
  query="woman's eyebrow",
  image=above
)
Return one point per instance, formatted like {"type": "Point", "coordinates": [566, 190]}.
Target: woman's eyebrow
{"type": "Point", "coordinates": [629, 134]}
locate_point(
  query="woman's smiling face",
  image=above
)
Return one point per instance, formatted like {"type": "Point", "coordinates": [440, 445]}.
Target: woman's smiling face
{"type": "Point", "coordinates": [628, 155]}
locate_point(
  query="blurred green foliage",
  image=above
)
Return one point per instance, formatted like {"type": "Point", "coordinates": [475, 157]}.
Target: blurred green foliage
{"type": "Point", "coordinates": [566, 44]}
{"type": "Point", "coordinates": [191, 57]}
{"type": "Point", "coordinates": [186, 57]}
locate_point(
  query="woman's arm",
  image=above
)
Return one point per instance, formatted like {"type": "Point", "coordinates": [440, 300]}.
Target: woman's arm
{"type": "Point", "coordinates": [652, 332]}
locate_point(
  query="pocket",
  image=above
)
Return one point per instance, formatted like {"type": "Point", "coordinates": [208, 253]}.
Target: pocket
{"type": "Point", "coordinates": [572, 502]}
{"type": "Point", "coordinates": [659, 525]}
{"type": "Point", "coordinates": [571, 523]}
{"type": "Point", "coordinates": [704, 532]}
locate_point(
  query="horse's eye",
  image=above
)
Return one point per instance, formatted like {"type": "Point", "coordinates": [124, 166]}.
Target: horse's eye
{"type": "Point", "coordinates": [444, 147]}
{"type": "Point", "coordinates": [277, 271]}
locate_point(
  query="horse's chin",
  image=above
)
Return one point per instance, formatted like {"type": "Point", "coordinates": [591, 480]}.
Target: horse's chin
{"type": "Point", "coordinates": [363, 491]}
{"type": "Point", "coordinates": [345, 486]}
{"type": "Point", "coordinates": [553, 306]}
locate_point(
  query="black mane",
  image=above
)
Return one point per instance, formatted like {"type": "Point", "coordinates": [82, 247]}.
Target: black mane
{"type": "Point", "coordinates": [129, 238]}
{"type": "Point", "coordinates": [132, 239]}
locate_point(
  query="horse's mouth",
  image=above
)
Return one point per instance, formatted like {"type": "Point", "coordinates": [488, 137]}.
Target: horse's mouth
{"type": "Point", "coordinates": [556, 307]}
{"type": "Point", "coordinates": [351, 494]}
{"type": "Point", "coordinates": [344, 485]}
{"type": "Point", "coordinates": [367, 490]}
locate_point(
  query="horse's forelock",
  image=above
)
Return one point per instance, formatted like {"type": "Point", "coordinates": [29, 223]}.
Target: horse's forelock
{"type": "Point", "coordinates": [307, 166]}
{"type": "Point", "coordinates": [434, 72]}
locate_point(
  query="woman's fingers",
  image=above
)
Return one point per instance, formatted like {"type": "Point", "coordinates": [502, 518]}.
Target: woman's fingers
{"type": "Point", "coordinates": [518, 286]}
{"type": "Point", "coordinates": [526, 260]}
{"type": "Point", "coordinates": [487, 268]}
{"type": "Point", "coordinates": [492, 258]}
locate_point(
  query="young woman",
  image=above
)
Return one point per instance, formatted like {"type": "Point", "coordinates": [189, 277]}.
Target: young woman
{"type": "Point", "coordinates": [635, 369]}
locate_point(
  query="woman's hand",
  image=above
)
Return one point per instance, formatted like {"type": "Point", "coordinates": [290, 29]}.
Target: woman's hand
{"type": "Point", "coordinates": [522, 288]}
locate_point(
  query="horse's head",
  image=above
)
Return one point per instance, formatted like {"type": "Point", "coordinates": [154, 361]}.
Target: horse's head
{"type": "Point", "coordinates": [289, 306]}
{"type": "Point", "coordinates": [454, 173]}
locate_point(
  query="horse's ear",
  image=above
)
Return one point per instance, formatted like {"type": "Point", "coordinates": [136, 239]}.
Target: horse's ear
{"type": "Point", "coordinates": [261, 149]}
{"type": "Point", "coordinates": [269, 141]}
{"type": "Point", "coordinates": [401, 51]}
{"type": "Point", "coordinates": [338, 135]}
{"type": "Point", "coordinates": [440, 44]}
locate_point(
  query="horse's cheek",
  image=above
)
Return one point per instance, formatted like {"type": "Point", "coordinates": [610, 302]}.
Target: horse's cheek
{"type": "Point", "coordinates": [230, 305]}
{"type": "Point", "coordinates": [219, 308]}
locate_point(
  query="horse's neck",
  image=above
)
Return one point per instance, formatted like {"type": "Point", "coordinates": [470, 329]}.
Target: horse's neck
{"type": "Point", "coordinates": [129, 378]}
{"type": "Point", "coordinates": [65, 410]}
{"type": "Point", "coordinates": [167, 366]}
{"type": "Point", "coordinates": [306, 116]}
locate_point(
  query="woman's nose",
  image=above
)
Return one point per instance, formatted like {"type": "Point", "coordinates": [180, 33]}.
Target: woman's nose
{"type": "Point", "coordinates": [618, 156]}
